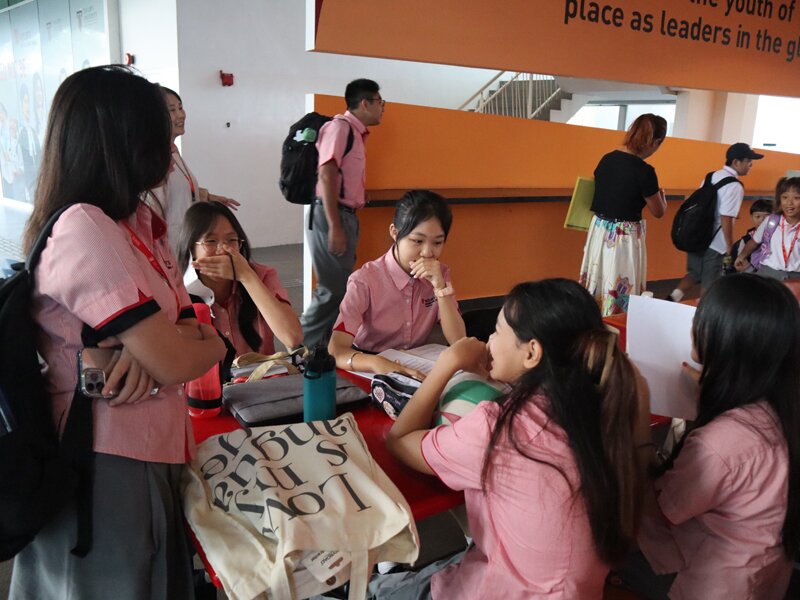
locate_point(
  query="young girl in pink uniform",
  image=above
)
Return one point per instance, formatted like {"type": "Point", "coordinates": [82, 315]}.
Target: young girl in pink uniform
{"type": "Point", "coordinates": [550, 473]}
{"type": "Point", "coordinates": [108, 266]}
{"type": "Point", "coordinates": [250, 306]}
{"type": "Point", "coordinates": [395, 301]}
{"type": "Point", "coordinates": [724, 516]}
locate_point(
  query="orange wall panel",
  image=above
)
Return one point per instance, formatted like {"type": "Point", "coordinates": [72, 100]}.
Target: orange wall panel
{"type": "Point", "coordinates": [418, 146]}
{"type": "Point", "coordinates": [492, 246]}
{"type": "Point", "coordinates": [541, 37]}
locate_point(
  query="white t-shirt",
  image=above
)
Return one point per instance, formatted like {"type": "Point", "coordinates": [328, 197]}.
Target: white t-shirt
{"type": "Point", "coordinates": [729, 201]}
{"type": "Point", "coordinates": [175, 197]}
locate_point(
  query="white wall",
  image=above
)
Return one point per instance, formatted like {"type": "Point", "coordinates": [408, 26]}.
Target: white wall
{"type": "Point", "coordinates": [147, 30]}
{"type": "Point", "coordinates": [262, 42]}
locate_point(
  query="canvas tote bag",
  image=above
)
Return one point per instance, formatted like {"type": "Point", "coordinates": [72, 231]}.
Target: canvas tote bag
{"type": "Point", "coordinates": [264, 501]}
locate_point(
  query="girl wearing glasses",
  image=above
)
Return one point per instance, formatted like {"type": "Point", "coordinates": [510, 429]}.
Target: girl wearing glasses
{"type": "Point", "coordinates": [249, 305]}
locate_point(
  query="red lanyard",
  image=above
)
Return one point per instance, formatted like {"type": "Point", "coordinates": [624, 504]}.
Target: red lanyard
{"type": "Point", "coordinates": [786, 254]}
{"type": "Point", "coordinates": [184, 169]}
{"type": "Point", "coordinates": [141, 247]}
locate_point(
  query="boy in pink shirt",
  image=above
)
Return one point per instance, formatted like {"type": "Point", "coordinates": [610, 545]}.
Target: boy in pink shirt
{"type": "Point", "coordinates": [333, 230]}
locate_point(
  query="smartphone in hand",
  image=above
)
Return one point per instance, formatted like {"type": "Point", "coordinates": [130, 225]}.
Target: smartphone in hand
{"type": "Point", "coordinates": [94, 368]}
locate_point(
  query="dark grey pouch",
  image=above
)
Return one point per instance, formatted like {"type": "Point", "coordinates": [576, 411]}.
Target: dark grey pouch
{"type": "Point", "coordinates": [280, 399]}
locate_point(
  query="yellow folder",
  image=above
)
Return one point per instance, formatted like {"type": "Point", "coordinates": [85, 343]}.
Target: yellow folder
{"type": "Point", "coordinates": [579, 214]}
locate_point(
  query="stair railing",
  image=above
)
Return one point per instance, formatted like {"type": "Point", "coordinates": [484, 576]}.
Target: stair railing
{"type": "Point", "coordinates": [522, 95]}
{"type": "Point", "coordinates": [481, 91]}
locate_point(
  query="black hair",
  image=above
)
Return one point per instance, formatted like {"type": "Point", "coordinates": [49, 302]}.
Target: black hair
{"type": "Point", "coordinates": [358, 90]}
{"type": "Point", "coordinates": [107, 142]}
{"type": "Point", "coordinates": [784, 185]}
{"type": "Point", "coordinates": [417, 206]}
{"type": "Point", "coordinates": [197, 221]}
{"type": "Point", "coordinates": [748, 356]}
{"type": "Point", "coordinates": [167, 90]}
{"type": "Point", "coordinates": [591, 388]}
{"type": "Point", "coordinates": [761, 205]}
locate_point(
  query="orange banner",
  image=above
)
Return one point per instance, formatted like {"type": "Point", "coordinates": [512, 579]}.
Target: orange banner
{"type": "Point", "coordinates": [750, 46]}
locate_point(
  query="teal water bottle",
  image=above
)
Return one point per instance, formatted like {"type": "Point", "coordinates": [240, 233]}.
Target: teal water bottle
{"type": "Point", "coordinates": [319, 386]}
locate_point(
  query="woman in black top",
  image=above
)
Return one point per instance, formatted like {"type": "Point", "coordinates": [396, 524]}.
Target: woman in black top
{"type": "Point", "coordinates": [615, 258]}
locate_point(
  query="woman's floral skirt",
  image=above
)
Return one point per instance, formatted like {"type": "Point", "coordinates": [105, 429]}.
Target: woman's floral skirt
{"type": "Point", "coordinates": [614, 263]}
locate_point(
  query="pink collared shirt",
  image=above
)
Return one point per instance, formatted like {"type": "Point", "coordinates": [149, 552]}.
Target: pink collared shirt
{"type": "Point", "coordinates": [226, 314]}
{"type": "Point", "coordinates": [331, 144]}
{"type": "Point", "coordinates": [532, 535]}
{"type": "Point", "coordinates": [725, 501]}
{"type": "Point", "coordinates": [90, 272]}
{"type": "Point", "coordinates": [384, 307]}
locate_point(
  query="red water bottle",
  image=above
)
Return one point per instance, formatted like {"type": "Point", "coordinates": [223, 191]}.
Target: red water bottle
{"type": "Point", "coordinates": [204, 394]}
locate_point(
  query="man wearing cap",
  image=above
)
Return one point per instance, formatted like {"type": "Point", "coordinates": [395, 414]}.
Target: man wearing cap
{"type": "Point", "coordinates": [706, 267]}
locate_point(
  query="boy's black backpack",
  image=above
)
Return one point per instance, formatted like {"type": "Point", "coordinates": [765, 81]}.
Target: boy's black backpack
{"type": "Point", "coordinates": [39, 474]}
{"type": "Point", "coordinates": [693, 225]}
{"type": "Point", "coordinates": [299, 158]}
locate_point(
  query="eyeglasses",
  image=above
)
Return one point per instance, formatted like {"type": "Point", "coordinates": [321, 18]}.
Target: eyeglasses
{"type": "Point", "coordinates": [213, 245]}
{"type": "Point", "coordinates": [378, 99]}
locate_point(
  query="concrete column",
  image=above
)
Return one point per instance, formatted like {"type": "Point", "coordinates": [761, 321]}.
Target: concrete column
{"type": "Point", "coordinates": [710, 116]}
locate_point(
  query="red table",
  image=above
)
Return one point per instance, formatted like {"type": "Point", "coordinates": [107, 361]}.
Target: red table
{"type": "Point", "coordinates": [425, 494]}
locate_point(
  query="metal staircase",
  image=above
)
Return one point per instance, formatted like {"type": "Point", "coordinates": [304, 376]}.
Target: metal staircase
{"type": "Point", "coordinates": [520, 95]}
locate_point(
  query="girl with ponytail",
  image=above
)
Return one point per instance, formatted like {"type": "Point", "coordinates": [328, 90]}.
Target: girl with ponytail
{"type": "Point", "coordinates": [550, 472]}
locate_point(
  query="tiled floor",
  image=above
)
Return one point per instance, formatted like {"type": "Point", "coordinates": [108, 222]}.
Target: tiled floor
{"type": "Point", "coordinates": [288, 261]}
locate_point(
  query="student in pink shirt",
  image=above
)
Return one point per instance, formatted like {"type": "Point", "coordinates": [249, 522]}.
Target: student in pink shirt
{"type": "Point", "coordinates": [550, 472]}
{"type": "Point", "coordinates": [249, 305]}
{"type": "Point", "coordinates": [395, 301]}
{"type": "Point", "coordinates": [108, 266]}
{"type": "Point", "coordinates": [724, 515]}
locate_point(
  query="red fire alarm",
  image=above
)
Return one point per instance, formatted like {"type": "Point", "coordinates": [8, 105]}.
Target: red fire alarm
{"type": "Point", "coordinates": [129, 59]}
{"type": "Point", "coordinates": [226, 78]}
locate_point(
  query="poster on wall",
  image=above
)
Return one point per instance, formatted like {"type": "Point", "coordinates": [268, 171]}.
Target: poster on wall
{"type": "Point", "coordinates": [41, 43]}
{"type": "Point", "coordinates": [11, 176]}
{"type": "Point", "coordinates": [56, 42]}
{"type": "Point", "coordinates": [89, 40]}
{"type": "Point", "coordinates": [30, 92]}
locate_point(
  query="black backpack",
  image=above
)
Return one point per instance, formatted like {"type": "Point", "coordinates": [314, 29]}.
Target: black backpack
{"type": "Point", "coordinates": [39, 474]}
{"type": "Point", "coordinates": [693, 225]}
{"type": "Point", "coordinates": [299, 159]}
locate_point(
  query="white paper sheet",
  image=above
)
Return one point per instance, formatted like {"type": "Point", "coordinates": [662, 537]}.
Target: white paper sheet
{"type": "Point", "coordinates": [659, 340]}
